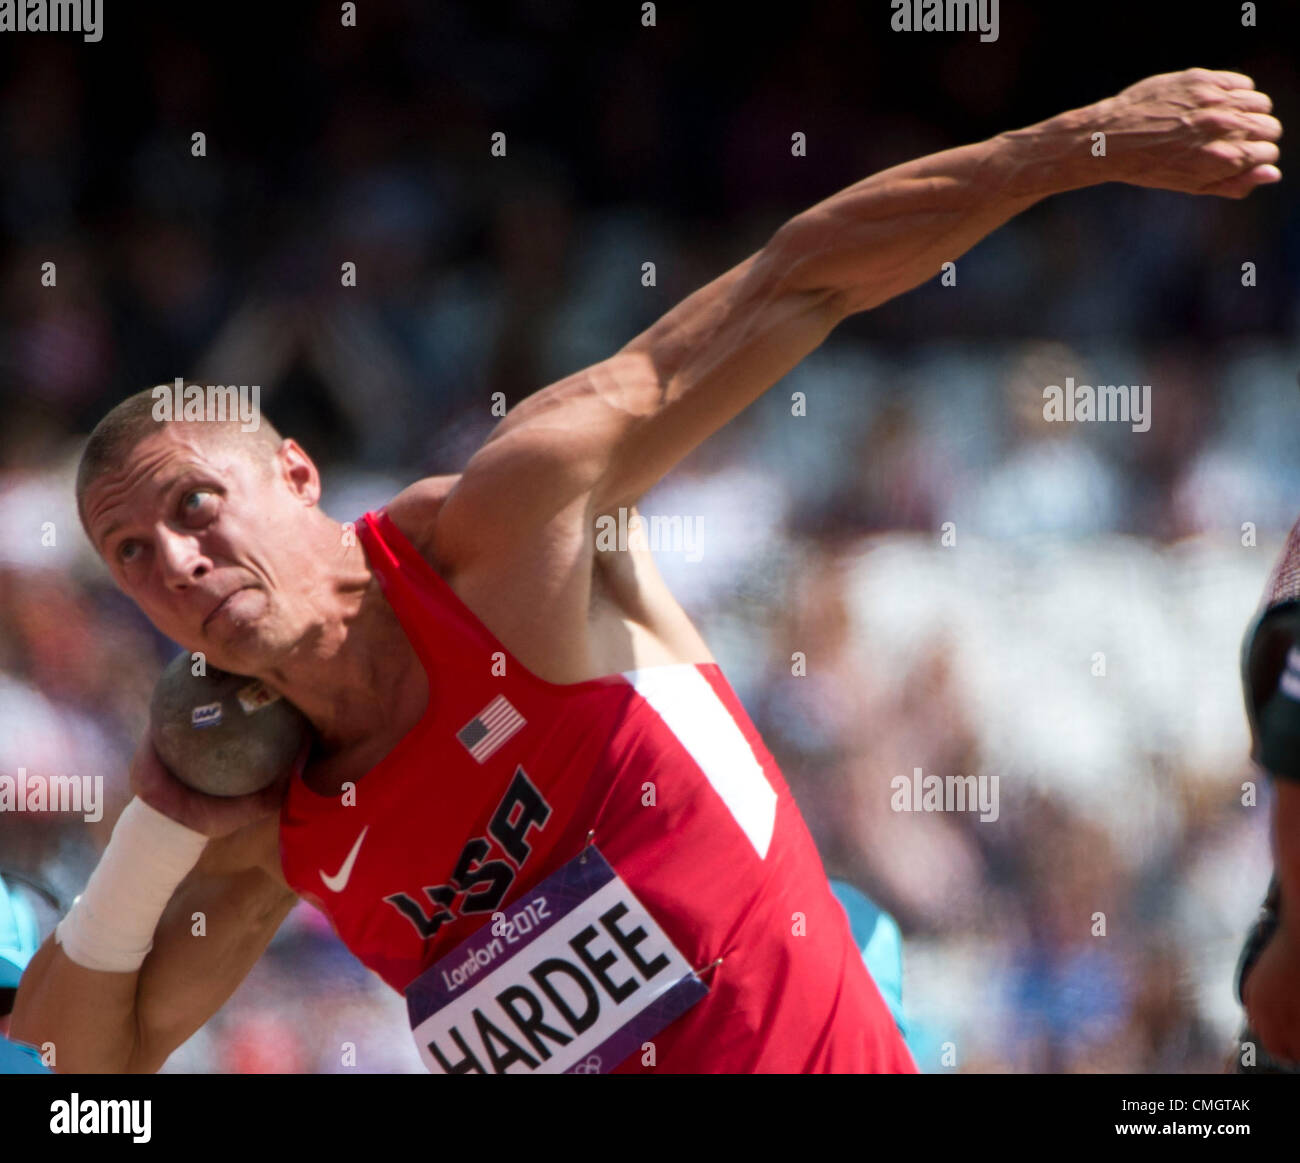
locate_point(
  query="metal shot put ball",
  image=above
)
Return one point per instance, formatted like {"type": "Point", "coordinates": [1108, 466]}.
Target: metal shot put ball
{"type": "Point", "coordinates": [223, 734]}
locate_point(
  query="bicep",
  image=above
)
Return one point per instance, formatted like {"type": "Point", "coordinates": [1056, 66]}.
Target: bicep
{"type": "Point", "coordinates": [214, 929]}
{"type": "Point", "coordinates": [695, 370]}
{"type": "Point", "coordinates": [605, 435]}
{"type": "Point", "coordinates": [535, 474]}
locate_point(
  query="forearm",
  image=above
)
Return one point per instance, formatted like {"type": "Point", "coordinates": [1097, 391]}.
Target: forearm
{"type": "Point", "coordinates": [116, 1023]}
{"type": "Point", "coordinates": [86, 1018]}
{"type": "Point", "coordinates": [892, 231]}
{"type": "Point", "coordinates": [125, 977]}
{"type": "Point", "coordinates": [727, 343]}
{"type": "Point", "coordinates": [190, 975]}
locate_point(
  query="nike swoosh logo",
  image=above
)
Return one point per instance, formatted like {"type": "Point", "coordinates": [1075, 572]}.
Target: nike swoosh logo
{"type": "Point", "coordinates": [339, 881]}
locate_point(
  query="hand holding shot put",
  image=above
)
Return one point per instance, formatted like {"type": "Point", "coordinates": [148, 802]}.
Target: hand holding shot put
{"type": "Point", "coordinates": [474, 783]}
{"type": "Point", "coordinates": [224, 734]}
{"type": "Point", "coordinates": [212, 815]}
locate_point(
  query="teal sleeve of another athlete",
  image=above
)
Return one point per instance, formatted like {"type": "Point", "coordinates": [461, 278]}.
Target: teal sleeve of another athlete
{"type": "Point", "coordinates": [877, 935]}
{"type": "Point", "coordinates": [884, 957]}
{"type": "Point", "coordinates": [19, 1059]}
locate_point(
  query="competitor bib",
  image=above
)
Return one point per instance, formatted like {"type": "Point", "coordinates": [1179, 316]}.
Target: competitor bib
{"type": "Point", "coordinates": [571, 979]}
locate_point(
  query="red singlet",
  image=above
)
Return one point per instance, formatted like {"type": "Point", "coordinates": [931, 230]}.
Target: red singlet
{"type": "Point", "coordinates": [505, 779]}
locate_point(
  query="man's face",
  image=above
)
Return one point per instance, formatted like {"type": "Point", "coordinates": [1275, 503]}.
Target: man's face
{"type": "Point", "coordinates": [207, 542]}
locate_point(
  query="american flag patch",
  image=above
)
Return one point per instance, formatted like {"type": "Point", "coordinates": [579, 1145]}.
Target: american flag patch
{"type": "Point", "coordinates": [491, 727]}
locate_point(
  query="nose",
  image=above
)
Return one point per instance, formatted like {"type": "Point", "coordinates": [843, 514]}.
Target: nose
{"type": "Point", "coordinates": [182, 563]}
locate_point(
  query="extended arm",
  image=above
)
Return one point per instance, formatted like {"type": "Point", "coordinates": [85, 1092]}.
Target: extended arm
{"type": "Point", "coordinates": [611, 431]}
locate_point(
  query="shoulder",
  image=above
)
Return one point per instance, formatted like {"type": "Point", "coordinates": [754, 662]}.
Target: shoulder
{"type": "Point", "coordinates": [416, 509]}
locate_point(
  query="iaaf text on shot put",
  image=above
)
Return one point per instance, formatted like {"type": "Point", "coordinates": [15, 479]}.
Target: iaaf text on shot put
{"type": "Point", "coordinates": [644, 539]}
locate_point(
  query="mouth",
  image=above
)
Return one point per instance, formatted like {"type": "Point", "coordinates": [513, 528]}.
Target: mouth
{"type": "Point", "coordinates": [221, 604]}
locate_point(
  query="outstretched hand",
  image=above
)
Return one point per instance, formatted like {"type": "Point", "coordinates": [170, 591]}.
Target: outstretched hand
{"type": "Point", "coordinates": [1197, 132]}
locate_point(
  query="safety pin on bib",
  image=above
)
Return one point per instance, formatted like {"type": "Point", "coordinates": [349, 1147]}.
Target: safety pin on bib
{"type": "Point", "coordinates": [591, 837]}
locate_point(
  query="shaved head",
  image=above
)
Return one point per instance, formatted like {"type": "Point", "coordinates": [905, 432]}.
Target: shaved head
{"type": "Point", "coordinates": [213, 528]}
{"type": "Point", "coordinates": [133, 420]}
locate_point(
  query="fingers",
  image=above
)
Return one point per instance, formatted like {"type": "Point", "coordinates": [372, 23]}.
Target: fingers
{"type": "Point", "coordinates": [1239, 185]}
{"type": "Point", "coordinates": [1247, 118]}
{"type": "Point", "coordinates": [1233, 110]}
{"type": "Point", "coordinates": [1244, 145]}
{"type": "Point", "coordinates": [1222, 78]}
{"type": "Point", "coordinates": [1223, 89]}
{"type": "Point", "coordinates": [155, 784]}
{"type": "Point", "coordinates": [1262, 126]}
{"type": "Point", "coordinates": [147, 768]}
{"type": "Point", "coordinates": [1257, 153]}
{"type": "Point", "coordinates": [1251, 100]}
{"type": "Point", "coordinates": [1253, 126]}
{"type": "Point", "coordinates": [1228, 125]}
{"type": "Point", "coordinates": [1234, 158]}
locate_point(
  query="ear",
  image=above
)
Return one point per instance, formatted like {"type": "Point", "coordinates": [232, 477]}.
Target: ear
{"type": "Point", "coordinates": [298, 471]}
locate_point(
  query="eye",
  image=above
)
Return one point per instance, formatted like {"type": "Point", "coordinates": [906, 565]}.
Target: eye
{"type": "Point", "coordinates": [128, 551]}
{"type": "Point", "coordinates": [195, 501]}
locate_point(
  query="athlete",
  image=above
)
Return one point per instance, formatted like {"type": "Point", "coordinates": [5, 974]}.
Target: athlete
{"type": "Point", "coordinates": [1269, 966]}
{"type": "Point", "coordinates": [535, 806]}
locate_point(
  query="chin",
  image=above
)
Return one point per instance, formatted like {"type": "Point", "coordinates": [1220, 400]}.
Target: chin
{"type": "Point", "coordinates": [243, 649]}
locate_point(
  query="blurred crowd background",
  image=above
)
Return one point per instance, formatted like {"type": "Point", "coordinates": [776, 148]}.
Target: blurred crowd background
{"type": "Point", "coordinates": [1079, 640]}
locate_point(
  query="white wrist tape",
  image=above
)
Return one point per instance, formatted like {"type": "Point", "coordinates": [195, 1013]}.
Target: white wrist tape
{"type": "Point", "coordinates": [111, 924]}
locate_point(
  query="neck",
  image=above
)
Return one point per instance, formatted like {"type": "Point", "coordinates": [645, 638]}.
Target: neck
{"type": "Point", "coordinates": [353, 668]}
